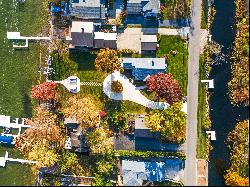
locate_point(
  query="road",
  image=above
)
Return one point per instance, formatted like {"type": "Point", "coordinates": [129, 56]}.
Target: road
{"type": "Point", "coordinates": [190, 172]}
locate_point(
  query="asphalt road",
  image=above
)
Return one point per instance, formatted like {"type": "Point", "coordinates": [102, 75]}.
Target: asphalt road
{"type": "Point", "coordinates": [190, 171]}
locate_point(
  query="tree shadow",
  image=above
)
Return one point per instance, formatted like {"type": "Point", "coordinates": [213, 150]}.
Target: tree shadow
{"type": "Point", "coordinates": [27, 106]}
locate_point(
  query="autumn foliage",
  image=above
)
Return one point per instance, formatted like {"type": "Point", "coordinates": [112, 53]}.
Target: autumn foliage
{"type": "Point", "coordinates": [165, 87]}
{"type": "Point", "coordinates": [44, 92]}
{"type": "Point", "coordinates": [107, 61]}
{"type": "Point", "coordinates": [234, 179]}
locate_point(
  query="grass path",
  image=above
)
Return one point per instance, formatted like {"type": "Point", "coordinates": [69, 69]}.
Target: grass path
{"type": "Point", "coordinates": [18, 72]}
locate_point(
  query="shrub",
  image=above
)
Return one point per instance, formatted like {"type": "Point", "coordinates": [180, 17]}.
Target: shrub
{"type": "Point", "coordinates": [116, 86]}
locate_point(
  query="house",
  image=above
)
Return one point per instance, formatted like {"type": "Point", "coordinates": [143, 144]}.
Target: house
{"type": "Point", "coordinates": [87, 9]}
{"type": "Point", "coordinates": [148, 43]}
{"type": "Point", "coordinates": [87, 35]}
{"type": "Point", "coordinates": [142, 139]}
{"type": "Point", "coordinates": [141, 68]}
{"type": "Point", "coordinates": [147, 8]}
{"type": "Point", "coordinates": [76, 139]}
{"type": "Point", "coordinates": [145, 173]}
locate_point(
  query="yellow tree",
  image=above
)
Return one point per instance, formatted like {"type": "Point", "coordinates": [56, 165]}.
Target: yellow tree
{"type": "Point", "coordinates": [234, 179]}
{"type": "Point", "coordinates": [83, 110]}
{"type": "Point", "coordinates": [99, 141]}
{"type": "Point", "coordinates": [107, 61]}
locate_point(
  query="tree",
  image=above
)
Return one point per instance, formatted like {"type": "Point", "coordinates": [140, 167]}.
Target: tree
{"type": "Point", "coordinates": [234, 179]}
{"type": "Point", "coordinates": [107, 60]}
{"type": "Point", "coordinates": [63, 66]}
{"type": "Point", "coordinates": [171, 123]}
{"type": "Point", "coordinates": [119, 121]}
{"type": "Point", "coordinates": [83, 110]}
{"type": "Point", "coordinates": [238, 144]}
{"type": "Point", "coordinates": [71, 164]}
{"type": "Point", "coordinates": [41, 141]}
{"type": "Point", "coordinates": [44, 92]}
{"type": "Point", "coordinates": [165, 87]}
{"type": "Point", "coordinates": [116, 86]}
{"type": "Point", "coordinates": [99, 141]}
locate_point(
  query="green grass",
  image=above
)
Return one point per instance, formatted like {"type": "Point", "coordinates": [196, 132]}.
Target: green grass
{"type": "Point", "coordinates": [177, 64]}
{"type": "Point", "coordinates": [18, 72]}
{"type": "Point", "coordinates": [201, 144]}
{"type": "Point", "coordinates": [19, 68]}
{"type": "Point", "coordinates": [204, 14]}
{"type": "Point", "coordinates": [15, 174]}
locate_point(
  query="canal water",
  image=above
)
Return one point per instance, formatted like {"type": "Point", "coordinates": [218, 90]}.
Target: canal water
{"type": "Point", "coordinates": [223, 114]}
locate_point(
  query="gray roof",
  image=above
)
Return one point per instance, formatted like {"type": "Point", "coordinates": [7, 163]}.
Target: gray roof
{"type": "Point", "coordinates": [87, 9]}
{"type": "Point", "coordinates": [141, 130]}
{"type": "Point", "coordinates": [134, 172]}
{"type": "Point", "coordinates": [138, 6]}
{"type": "Point", "coordinates": [148, 46]}
{"type": "Point", "coordinates": [145, 63]}
{"type": "Point", "coordinates": [82, 39]}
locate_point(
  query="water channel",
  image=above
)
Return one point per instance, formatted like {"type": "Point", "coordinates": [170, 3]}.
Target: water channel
{"type": "Point", "coordinates": [223, 114]}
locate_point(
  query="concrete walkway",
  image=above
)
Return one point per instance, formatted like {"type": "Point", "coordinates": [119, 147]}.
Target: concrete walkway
{"type": "Point", "coordinates": [131, 93]}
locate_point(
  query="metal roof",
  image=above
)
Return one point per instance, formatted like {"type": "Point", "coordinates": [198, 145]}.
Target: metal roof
{"type": "Point", "coordinates": [145, 63]}
{"type": "Point", "coordinates": [152, 170]}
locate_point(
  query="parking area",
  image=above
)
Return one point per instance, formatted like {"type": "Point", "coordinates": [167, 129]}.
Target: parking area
{"type": "Point", "coordinates": [129, 39]}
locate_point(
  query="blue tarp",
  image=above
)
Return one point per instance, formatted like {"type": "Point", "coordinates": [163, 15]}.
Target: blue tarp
{"type": "Point", "coordinates": [6, 139]}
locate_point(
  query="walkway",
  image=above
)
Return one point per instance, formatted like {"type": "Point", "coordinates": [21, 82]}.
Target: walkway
{"type": "Point", "coordinates": [91, 84]}
{"type": "Point", "coordinates": [131, 93]}
{"type": "Point", "coordinates": [190, 177]}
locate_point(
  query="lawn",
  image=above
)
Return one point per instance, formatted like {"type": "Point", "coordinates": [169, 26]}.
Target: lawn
{"type": "Point", "coordinates": [201, 144]}
{"type": "Point", "coordinates": [177, 64]}
{"type": "Point", "coordinates": [19, 68]}
{"type": "Point", "coordinates": [204, 14]}
{"type": "Point", "coordinates": [18, 72]}
{"type": "Point", "coordinates": [15, 174]}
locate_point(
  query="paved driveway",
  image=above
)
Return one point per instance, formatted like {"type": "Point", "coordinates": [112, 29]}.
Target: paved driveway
{"type": "Point", "coordinates": [129, 39]}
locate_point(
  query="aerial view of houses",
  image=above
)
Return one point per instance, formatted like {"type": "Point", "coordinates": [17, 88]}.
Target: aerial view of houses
{"type": "Point", "coordinates": [124, 93]}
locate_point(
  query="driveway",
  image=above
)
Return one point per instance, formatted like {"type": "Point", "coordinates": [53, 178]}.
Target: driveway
{"type": "Point", "coordinates": [129, 39]}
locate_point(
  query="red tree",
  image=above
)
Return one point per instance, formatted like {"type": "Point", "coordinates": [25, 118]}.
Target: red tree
{"type": "Point", "coordinates": [44, 92]}
{"type": "Point", "coordinates": [165, 87]}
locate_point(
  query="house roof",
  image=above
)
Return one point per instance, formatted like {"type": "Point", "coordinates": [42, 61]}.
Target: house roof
{"type": "Point", "coordinates": [151, 5]}
{"type": "Point", "coordinates": [87, 9]}
{"type": "Point", "coordinates": [82, 39]}
{"type": "Point", "coordinates": [77, 26]}
{"type": "Point", "coordinates": [145, 63]}
{"type": "Point", "coordinates": [149, 38]}
{"type": "Point", "coordinates": [152, 170]}
{"type": "Point", "coordinates": [105, 36]}
{"type": "Point", "coordinates": [149, 46]}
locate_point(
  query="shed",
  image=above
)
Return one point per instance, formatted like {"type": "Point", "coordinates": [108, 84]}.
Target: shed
{"type": "Point", "coordinates": [148, 42]}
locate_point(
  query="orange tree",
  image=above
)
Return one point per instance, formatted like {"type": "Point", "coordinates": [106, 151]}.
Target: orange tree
{"type": "Point", "coordinates": [107, 61]}
{"type": "Point", "coordinates": [165, 87]}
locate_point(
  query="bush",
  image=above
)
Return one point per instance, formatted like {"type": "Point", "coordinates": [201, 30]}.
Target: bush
{"type": "Point", "coordinates": [116, 86]}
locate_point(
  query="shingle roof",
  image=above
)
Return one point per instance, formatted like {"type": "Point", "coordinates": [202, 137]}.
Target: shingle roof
{"type": "Point", "coordinates": [82, 39]}
{"type": "Point", "coordinates": [149, 46]}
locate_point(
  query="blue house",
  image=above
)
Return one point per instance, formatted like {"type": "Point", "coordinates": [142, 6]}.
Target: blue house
{"type": "Point", "coordinates": [140, 173]}
{"type": "Point", "coordinates": [87, 9]}
{"type": "Point", "coordinates": [141, 68]}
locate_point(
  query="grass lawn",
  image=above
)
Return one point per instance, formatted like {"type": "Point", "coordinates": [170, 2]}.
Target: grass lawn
{"type": "Point", "coordinates": [204, 14]}
{"type": "Point", "coordinates": [18, 72]}
{"type": "Point", "coordinates": [177, 64]}
{"type": "Point", "coordinates": [201, 144]}
{"type": "Point", "coordinates": [15, 174]}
